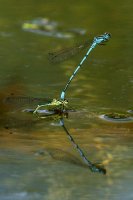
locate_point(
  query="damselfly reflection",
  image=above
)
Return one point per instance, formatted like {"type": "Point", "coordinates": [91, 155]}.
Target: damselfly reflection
{"type": "Point", "coordinates": [93, 167]}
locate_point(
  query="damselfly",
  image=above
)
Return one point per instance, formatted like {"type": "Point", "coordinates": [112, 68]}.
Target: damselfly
{"type": "Point", "coordinates": [64, 54]}
{"type": "Point", "coordinates": [61, 103]}
{"type": "Point", "coordinates": [96, 41]}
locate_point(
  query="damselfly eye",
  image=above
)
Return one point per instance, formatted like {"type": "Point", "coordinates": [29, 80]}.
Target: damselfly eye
{"type": "Point", "coordinates": [108, 35]}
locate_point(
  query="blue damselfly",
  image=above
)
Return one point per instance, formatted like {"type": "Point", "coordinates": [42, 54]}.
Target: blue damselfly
{"type": "Point", "coordinates": [96, 41]}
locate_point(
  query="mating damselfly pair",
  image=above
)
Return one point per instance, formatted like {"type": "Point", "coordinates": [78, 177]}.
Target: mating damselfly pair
{"type": "Point", "coordinates": [62, 103]}
{"type": "Point", "coordinates": [60, 106]}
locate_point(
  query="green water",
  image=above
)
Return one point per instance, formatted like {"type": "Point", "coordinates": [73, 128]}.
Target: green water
{"type": "Point", "coordinates": [37, 160]}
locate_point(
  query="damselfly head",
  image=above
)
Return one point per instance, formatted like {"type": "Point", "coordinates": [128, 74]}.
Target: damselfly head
{"type": "Point", "coordinates": [101, 39]}
{"type": "Point", "coordinates": [107, 36]}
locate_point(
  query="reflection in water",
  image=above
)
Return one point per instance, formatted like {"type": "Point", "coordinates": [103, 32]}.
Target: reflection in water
{"type": "Point", "coordinates": [49, 28]}
{"type": "Point", "coordinates": [93, 167]}
{"type": "Point", "coordinates": [13, 100]}
{"type": "Point", "coordinates": [30, 152]}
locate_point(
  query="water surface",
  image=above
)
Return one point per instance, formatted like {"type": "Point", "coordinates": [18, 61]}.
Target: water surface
{"type": "Point", "coordinates": [37, 160]}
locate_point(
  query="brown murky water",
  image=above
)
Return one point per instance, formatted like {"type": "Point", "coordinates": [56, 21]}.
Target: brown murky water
{"type": "Point", "coordinates": [37, 160]}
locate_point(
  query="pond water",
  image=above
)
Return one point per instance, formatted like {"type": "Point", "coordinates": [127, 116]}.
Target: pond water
{"type": "Point", "coordinates": [37, 159]}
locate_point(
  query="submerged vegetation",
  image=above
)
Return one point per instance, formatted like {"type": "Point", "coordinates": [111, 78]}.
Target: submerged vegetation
{"type": "Point", "coordinates": [46, 27]}
{"type": "Point", "coordinates": [117, 117]}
